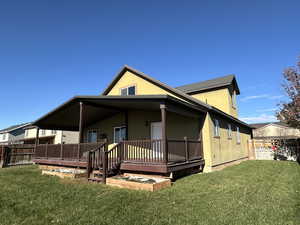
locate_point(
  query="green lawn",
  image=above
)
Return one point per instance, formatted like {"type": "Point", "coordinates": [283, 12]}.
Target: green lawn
{"type": "Point", "coordinates": [254, 192]}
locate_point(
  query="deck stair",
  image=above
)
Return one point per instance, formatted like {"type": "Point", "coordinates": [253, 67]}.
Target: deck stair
{"type": "Point", "coordinates": [103, 163]}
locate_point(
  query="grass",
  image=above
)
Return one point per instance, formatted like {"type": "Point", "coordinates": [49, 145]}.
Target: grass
{"type": "Point", "coordinates": [254, 192]}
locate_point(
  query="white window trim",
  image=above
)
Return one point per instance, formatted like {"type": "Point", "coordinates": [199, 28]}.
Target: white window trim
{"type": "Point", "coordinates": [120, 127]}
{"type": "Point", "coordinates": [234, 102]}
{"type": "Point", "coordinates": [229, 131]}
{"type": "Point", "coordinates": [127, 87]}
{"type": "Point", "coordinates": [216, 128]}
{"type": "Point", "coordinates": [238, 135]}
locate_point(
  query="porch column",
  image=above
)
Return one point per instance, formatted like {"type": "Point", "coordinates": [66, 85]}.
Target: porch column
{"type": "Point", "coordinates": [202, 121]}
{"type": "Point", "coordinates": [164, 131]}
{"type": "Point", "coordinates": [80, 137]}
{"type": "Point", "coordinates": [126, 124]}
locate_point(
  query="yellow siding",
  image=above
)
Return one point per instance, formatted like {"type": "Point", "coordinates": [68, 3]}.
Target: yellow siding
{"type": "Point", "coordinates": [143, 87]}
{"type": "Point", "coordinates": [224, 149]}
{"type": "Point", "coordinates": [220, 98]}
{"type": "Point", "coordinates": [207, 143]}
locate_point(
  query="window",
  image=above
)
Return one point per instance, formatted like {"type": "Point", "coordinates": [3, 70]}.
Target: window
{"type": "Point", "coordinates": [3, 136]}
{"type": "Point", "coordinates": [43, 132]}
{"type": "Point", "coordinates": [234, 99]}
{"type": "Point", "coordinates": [119, 134]}
{"type": "Point", "coordinates": [53, 132]}
{"type": "Point", "coordinates": [229, 131]}
{"type": "Point", "coordinates": [124, 91]}
{"type": "Point", "coordinates": [217, 128]}
{"type": "Point", "coordinates": [92, 136]}
{"type": "Point", "coordinates": [238, 136]}
{"type": "Point", "coordinates": [26, 133]}
{"type": "Point", "coordinates": [128, 91]}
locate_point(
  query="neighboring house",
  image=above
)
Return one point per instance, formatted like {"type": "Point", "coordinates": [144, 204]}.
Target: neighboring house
{"type": "Point", "coordinates": [278, 136]}
{"type": "Point", "coordinates": [135, 106]}
{"type": "Point", "coordinates": [50, 136]}
{"type": "Point", "coordinates": [274, 130]}
{"type": "Point", "coordinates": [13, 134]}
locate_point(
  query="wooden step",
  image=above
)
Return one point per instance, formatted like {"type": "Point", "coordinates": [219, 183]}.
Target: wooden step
{"type": "Point", "coordinates": [95, 179]}
{"type": "Point", "coordinates": [97, 172]}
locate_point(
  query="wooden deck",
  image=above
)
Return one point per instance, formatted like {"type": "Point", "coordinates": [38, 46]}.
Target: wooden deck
{"type": "Point", "coordinates": [60, 162]}
{"type": "Point", "coordinates": [129, 166]}
{"type": "Point", "coordinates": [133, 155]}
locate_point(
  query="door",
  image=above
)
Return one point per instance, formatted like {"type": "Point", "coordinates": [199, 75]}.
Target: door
{"type": "Point", "coordinates": [156, 131]}
{"type": "Point", "coordinates": [156, 134]}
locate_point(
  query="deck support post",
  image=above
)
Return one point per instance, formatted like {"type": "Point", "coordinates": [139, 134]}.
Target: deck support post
{"type": "Point", "coordinates": [163, 110]}
{"type": "Point", "coordinates": [80, 137]}
{"type": "Point", "coordinates": [105, 163]}
{"type": "Point", "coordinates": [126, 124]}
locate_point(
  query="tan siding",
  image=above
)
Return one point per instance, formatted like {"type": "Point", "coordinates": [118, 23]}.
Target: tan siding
{"type": "Point", "coordinates": [70, 137]}
{"type": "Point", "coordinates": [139, 125]}
{"type": "Point", "coordinates": [179, 126]}
{"type": "Point", "coordinates": [105, 127]}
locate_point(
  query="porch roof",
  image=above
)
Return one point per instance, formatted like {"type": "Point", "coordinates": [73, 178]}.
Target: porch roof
{"type": "Point", "coordinates": [66, 116]}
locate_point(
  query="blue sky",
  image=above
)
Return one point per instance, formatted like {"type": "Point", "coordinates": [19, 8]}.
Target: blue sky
{"type": "Point", "coordinates": [53, 50]}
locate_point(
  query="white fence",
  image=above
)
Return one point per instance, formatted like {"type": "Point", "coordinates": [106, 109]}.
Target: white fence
{"type": "Point", "coordinates": [264, 153]}
{"type": "Point", "coordinates": [268, 150]}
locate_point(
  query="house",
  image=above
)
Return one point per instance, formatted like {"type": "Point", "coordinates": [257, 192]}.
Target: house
{"type": "Point", "coordinates": [278, 136]}
{"type": "Point", "coordinates": [49, 136]}
{"type": "Point", "coordinates": [273, 130]}
{"type": "Point", "coordinates": [152, 127]}
{"type": "Point", "coordinates": [13, 134]}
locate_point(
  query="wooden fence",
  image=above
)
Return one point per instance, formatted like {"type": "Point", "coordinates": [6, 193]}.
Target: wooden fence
{"type": "Point", "coordinates": [11, 155]}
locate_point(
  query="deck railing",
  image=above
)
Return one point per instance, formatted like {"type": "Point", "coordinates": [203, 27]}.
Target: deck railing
{"type": "Point", "coordinates": [149, 151]}
{"type": "Point", "coordinates": [184, 150]}
{"type": "Point", "coordinates": [140, 151]}
{"type": "Point", "coordinates": [95, 158]}
{"type": "Point", "coordinates": [70, 152]}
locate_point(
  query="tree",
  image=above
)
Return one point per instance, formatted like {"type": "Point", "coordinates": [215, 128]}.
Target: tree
{"type": "Point", "coordinates": [289, 111]}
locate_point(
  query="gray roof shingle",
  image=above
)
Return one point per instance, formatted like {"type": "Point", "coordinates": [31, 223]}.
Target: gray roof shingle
{"type": "Point", "coordinates": [14, 127]}
{"type": "Point", "coordinates": [209, 84]}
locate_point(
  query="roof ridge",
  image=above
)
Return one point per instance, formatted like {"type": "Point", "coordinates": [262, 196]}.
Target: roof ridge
{"type": "Point", "coordinates": [216, 78]}
{"type": "Point", "coordinates": [14, 127]}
